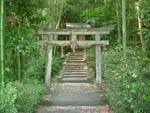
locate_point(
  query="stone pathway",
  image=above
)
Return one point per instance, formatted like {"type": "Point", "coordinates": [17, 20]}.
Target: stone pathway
{"type": "Point", "coordinates": [75, 93]}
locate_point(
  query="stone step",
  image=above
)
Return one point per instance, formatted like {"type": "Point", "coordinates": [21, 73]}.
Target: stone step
{"type": "Point", "coordinates": [75, 60]}
{"type": "Point", "coordinates": [76, 94]}
{"type": "Point", "coordinates": [76, 54]}
{"type": "Point", "coordinates": [75, 73]}
{"type": "Point", "coordinates": [76, 64]}
{"type": "Point", "coordinates": [69, 65]}
{"type": "Point", "coordinates": [75, 80]}
{"type": "Point", "coordinates": [74, 76]}
{"type": "Point", "coordinates": [77, 57]}
{"type": "Point", "coordinates": [75, 69]}
{"type": "Point", "coordinates": [71, 70]}
{"type": "Point", "coordinates": [74, 109]}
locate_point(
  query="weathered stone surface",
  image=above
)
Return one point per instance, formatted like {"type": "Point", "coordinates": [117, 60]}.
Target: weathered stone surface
{"type": "Point", "coordinates": [75, 80]}
{"type": "Point", "coordinates": [75, 109]}
{"type": "Point", "coordinates": [75, 76]}
{"type": "Point", "coordinates": [75, 94]}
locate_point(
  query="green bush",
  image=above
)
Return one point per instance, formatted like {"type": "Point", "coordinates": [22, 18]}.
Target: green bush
{"type": "Point", "coordinates": [91, 61]}
{"type": "Point", "coordinates": [38, 70]}
{"type": "Point", "coordinates": [127, 81]}
{"type": "Point", "coordinates": [29, 94]}
{"type": "Point", "coordinates": [8, 96]}
{"type": "Point", "coordinates": [56, 65]}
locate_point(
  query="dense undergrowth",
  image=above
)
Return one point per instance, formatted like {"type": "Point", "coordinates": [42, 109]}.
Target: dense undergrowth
{"type": "Point", "coordinates": [37, 69]}
{"type": "Point", "coordinates": [23, 96]}
{"type": "Point", "coordinates": [127, 81]}
{"type": "Point", "coordinates": [91, 54]}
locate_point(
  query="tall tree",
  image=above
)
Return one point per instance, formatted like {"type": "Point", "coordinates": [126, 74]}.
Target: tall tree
{"type": "Point", "coordinates": [124, 26]}
{"type": "Point", "coordinates": [118, 20]}
{"type": "Point", "coordinates": [2, 41]}
{"type": "Point", "coordinates": [55, 17]}
{"type": "Point", "coordinates": [140, 22]}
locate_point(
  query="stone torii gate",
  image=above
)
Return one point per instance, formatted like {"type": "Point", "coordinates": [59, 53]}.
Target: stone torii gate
{"type": "Point", "coordinates": [74, 43]}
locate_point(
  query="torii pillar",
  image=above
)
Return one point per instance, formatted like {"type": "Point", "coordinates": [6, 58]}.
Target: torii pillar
{"type": "Point", "coordinates": [49, 63]}
{"type": "Point", "coordinates": [98, 63]}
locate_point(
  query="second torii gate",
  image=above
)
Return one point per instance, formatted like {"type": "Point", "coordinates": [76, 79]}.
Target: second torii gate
{"type": "Point", "coordinates": [74, 43]}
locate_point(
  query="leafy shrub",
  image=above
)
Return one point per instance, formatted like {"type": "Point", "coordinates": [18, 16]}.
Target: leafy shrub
{"type": "Point", "coordinates": [91, 54]}
{"type": "Point", "coordinates": [29, 94]}
{"type": "Point", "coordinates": [56, 65]}
{"type": "Point", "coordinates": [8, 96]}
{"type": "Point", "coordinates": [38, 70]}
{"type": "Point", "coordinates": [127, 81]}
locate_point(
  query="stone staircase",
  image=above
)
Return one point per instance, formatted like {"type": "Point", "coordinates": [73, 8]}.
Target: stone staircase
{"type": "Point", "coordinates": [75, 70]}
{"type": "Point", "coordinates": [75, 92]}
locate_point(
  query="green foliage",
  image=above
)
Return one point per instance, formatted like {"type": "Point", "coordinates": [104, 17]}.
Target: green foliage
{"type": "Point", "coordinates": [29, 94]}
{"type": "Point", "coordinates": [21, 17]}
{"type": "Point", "coordinates": [45, 103]}
{"type": "Point", "coordinates": [56, 65]}
{"type": "Point", "coordinates": [36, 68]}
{"type": "Point", "coordinates": [73, 10]}
{"type": "Point", "coordinates": [127, 81]}
{"type": "Point", "coordinates": [20, 40]}
{"type": "Point", "coordinates": [94, 14]}
{"type": "Point", "coordinates": [22, 97]}
{"type": "Point", "coordinates": [91, 61]}
{"type": "Point", "coordinates": [8, 95]}
{"type": "Point", "coordinates": [145, 16]}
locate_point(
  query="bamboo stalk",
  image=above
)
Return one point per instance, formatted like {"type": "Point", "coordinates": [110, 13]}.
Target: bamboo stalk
{"type": "Point", "coordinates": [118, 20]}
{"type": "Point", "coordinates": [2, 42]}
{"type": "Point", "coordinates": [124, 27]}
{"type": "Point", "coordinates": [19, 65]}
{"type": "Point", "coordinates": [140, 24]}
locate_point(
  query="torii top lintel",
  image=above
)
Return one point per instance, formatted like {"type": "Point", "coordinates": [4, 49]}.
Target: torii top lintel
{"type": "Point", "coordinates": [79, 31]}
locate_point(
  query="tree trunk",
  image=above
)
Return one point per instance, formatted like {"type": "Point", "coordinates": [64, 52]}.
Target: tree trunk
{"type": "Point", "coordinates": [62, 52]}
{"type": "Point", "coordinates": [124, 27]}
{"type": "Point", "coordinates": [118, 20]}
{"type": "Point", "coordinates": [140, 23]}
{"type": "Point", "coordinates": [2, 60]}
{"type": "Point", "coordinates": [19, 65]}
{"type": "Point", "coordinates": [58, 23]}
